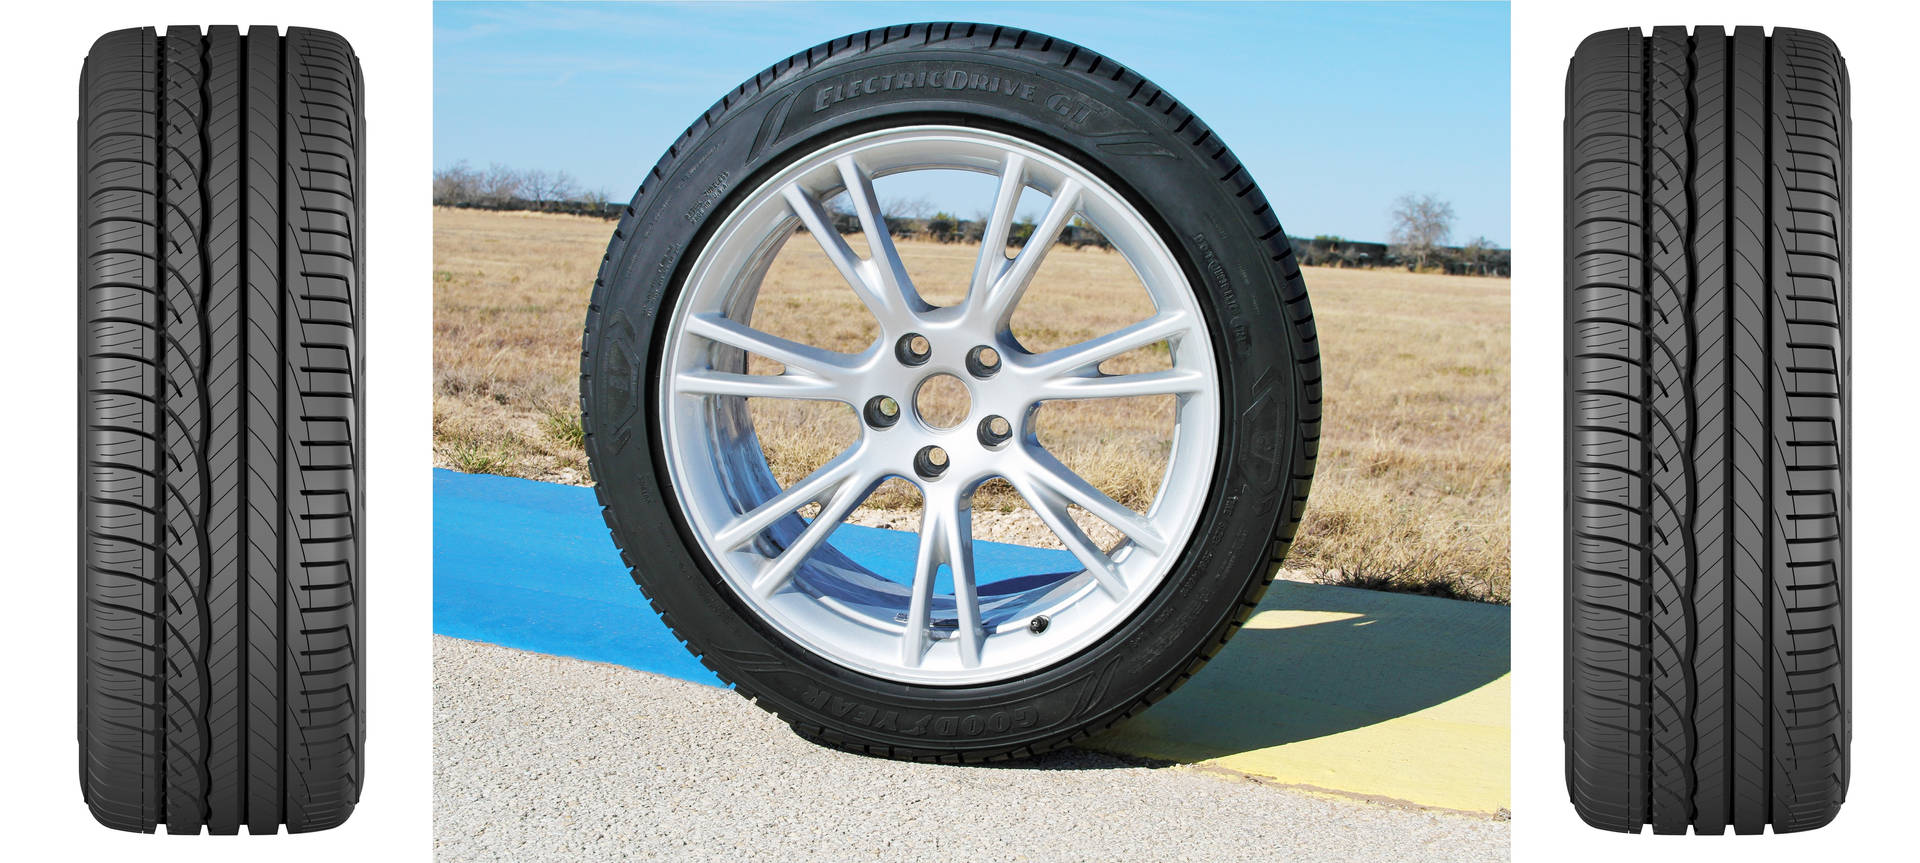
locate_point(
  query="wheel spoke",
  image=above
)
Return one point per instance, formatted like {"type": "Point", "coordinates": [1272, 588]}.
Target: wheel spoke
{"type": "Point", "coordinates": [993, 236]}
{"type": "Point", "coordinates": [913, 642]}
{"type": "Point", "coordinates": [1092, 352]}
{"type": "Point", "coordinates": [1050, 474]}
{"type": "Point", "coordinates": [946, 537]}
{"type": "Point", "coordinates": [780, 570]}
{"type": "Point", "coordinates": [794, 355]}
{"type": "Point", "coordinates": [1012, 284]}
{"type": "Point", "coordinates": [1052, 509]}
{"type": "Point", "coordinates": [1160, 383]}
{"type": "Point", "coordinates": [851, 268]}
{"type": "Point", "coordinates": [966, 595]}
{"type": "Point", "coordinates": [823, 482]}
{"type": "Point", "coordinates": [810, 373]}
{"type": "Point", "coordinates": [788, 386]}
{"type": "Point", "coordinates": [890, 274]}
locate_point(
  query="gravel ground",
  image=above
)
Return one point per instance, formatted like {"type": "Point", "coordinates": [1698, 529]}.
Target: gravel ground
{"type": "Point", "coordinates": [543, 758]}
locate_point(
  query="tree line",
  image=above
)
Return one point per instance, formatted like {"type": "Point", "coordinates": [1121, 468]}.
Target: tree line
{"type": "Point", "coordinates": [1422, 224]}
{"type": "Point", "coordinates": [500, 187]}
{"type": "Point", "coordinates": [916, 218]}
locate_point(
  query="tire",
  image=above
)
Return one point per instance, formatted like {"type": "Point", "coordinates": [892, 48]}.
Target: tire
{"type": "Point", "coordinates": [1120, 134]}
{"type": "Point", "coordinates": [1708, 568]}
{"type": "Point", "coordinates": [222, 675]}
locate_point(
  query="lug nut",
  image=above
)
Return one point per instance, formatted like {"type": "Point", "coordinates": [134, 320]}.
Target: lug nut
{"type": "Point", "coordinates": [994, 431]}
{"type": "Point", "coordinates": [913, 349]}
{"type": "Point", "coordinates": [882, 411]}
{"type": "Point", "coordinates": [930, 462]}
{"type": "Point", "coordinates": [983, 361]}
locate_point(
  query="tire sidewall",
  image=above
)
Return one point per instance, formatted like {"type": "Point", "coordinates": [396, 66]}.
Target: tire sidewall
{"type": "Point", "coordinates": [1212, 234]}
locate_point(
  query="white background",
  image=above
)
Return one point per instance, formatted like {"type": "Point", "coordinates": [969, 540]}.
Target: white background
{"type": "Point", "coordinates": [40, 808]}
{"type": "Point", "coordinates": [1878, 819]}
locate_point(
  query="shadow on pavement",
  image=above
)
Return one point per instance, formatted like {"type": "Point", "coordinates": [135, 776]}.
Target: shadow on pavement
{"type": "Point", "coordinates": [1317, 660]}
{"type": "Point", "coordinates": [1358, 692]}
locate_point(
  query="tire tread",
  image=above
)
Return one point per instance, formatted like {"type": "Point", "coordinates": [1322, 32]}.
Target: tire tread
{"type": "Point", "coordinates": [1706, 429]}
{"type": "Point", "coordinates": [205, 629]}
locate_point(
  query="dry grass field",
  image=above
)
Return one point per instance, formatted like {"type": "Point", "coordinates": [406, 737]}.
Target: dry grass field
{"type": "Point", "coordinates": [1411, 492]}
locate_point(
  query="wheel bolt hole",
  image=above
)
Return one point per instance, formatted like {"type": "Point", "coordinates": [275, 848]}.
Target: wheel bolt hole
{"type": "Point", "coordinates": [913, 349]}
{"type": "Point", "coordinates": [983, 361]}
{"type": "Point", "coordinates": [930, 462]}
{"type": "Point", "coordinates": [882, 412]}
{"type": "Point", "coordinates": [995, 431]}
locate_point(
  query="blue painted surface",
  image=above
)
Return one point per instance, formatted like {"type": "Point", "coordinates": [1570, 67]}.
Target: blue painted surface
{"type": "Point", "coordinates": [529, 565]}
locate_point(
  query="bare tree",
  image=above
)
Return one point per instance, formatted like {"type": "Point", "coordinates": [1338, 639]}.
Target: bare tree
{"type": "Point", "coordinates": [457, 184]}
{"type": "Point", "coordinates": [540, 186]}
{"type": "Point", "coordinates": [533, 185]}
{"type": "Point", "coordinates": [1477, 253]}
{"type": "Point", "coordinates": [905, 216]}
{"type": "Point", "coordinates": [594, 199]}
{"type": "Point", "coordinates": [501, 184]}
{"type": "Point", "coordinates": [906, 208]}
{"type": "Point", "coordinates": [1421, 224]}
{"type": "Point", "coordinates": [562, 187]}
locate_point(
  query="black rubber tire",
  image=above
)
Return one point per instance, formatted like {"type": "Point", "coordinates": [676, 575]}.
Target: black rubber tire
{"type": "Point", "coordinates": [222, 665]}
{"type": "Point", "coordinates": [1707, 397]}
{"type": "Point", "coordinates": [1141, 141]}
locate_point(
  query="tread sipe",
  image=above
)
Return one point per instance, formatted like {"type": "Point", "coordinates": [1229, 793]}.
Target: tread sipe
{"type": "Point", "coordinates": [1707, 231]}
{"type": "Point", "coordinates": [221, 676]}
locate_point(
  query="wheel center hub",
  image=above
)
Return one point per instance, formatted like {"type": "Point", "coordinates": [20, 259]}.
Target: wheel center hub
{"type": "Point", "coordinates": [942, 401]}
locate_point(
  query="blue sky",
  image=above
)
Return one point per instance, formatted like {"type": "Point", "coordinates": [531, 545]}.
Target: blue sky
{"type": "Point", "coordinates": [1336, 108]}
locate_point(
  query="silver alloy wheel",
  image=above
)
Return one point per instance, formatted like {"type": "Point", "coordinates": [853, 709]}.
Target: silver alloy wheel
{"type": "Point", "coordinates": [781, 565]}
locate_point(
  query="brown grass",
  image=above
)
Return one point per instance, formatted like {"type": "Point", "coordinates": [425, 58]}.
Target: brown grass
{"type": "Point", "coordinates": [1412, 487]}
{"type": "Point", "coordinates": [510, 293]}
{"type": "Point", "coordinates": [1411, 492]}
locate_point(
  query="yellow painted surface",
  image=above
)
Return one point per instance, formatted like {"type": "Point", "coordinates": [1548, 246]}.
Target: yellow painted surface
{"type": "Point", "coordinates": [1350, 691]}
